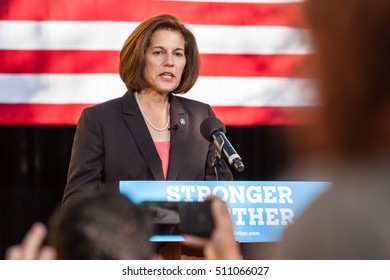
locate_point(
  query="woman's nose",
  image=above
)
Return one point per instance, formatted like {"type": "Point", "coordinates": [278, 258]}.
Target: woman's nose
{"type": "Point", "coordinates": [169, 61]}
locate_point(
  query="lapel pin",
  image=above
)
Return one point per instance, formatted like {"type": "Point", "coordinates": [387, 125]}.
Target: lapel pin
{"type": "Point", "coordinates": [182, 121]}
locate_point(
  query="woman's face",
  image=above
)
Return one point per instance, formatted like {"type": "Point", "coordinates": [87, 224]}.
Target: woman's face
{"type": "Point", "coordinates": [165, 61]}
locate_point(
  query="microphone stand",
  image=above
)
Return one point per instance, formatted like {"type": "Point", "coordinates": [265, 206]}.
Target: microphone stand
{"type": "Point", "coordinates": [217, 165]}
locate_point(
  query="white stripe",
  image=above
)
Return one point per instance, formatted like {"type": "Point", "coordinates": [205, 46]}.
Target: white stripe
{"type": "Point", "coordinates": [64, 35]}
{"type": "Point", "coordinates": [99, 35]}
{"type": "Point", "coordinates": [228, 91]}
{"type": "Point", "coordinates": [96, 88]}
{"type": "Point", "coordinates": [251, 39]}
{"type": "Point", "coordinates": [59, 88]}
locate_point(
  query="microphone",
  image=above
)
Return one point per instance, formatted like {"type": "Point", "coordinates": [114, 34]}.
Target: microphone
{"type": "Point", "coordinates": [213, 130]}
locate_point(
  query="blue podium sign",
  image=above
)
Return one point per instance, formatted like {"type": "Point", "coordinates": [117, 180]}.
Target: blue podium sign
{"type": "Point", "coordinates": [260, 210]}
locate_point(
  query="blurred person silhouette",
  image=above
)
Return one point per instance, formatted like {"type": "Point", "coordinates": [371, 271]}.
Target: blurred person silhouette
{"type": "Point", "coordinates": [349, 142]}
{"type": "Point", "coordinates": [351, 39]}
{"type": "Point", "coordinates": [150, 133]}
{"type": "Point", "coordinates": [350, 221]}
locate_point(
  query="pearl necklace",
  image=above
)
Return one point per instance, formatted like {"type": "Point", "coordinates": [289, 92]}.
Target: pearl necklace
{"type": "Point", "coordinates": [147, 120]}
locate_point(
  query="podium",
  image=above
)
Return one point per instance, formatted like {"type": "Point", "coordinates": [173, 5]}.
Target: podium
{"type": "Point", "coordinates": [260, 210]}
{"type": "Point", "coordinates": [176, 251]}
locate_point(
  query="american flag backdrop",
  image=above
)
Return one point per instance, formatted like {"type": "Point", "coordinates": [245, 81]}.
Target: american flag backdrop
{"type": "Point", "coordinates": [60, 56]}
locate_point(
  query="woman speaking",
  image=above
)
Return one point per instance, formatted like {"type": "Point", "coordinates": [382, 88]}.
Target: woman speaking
{"type": "Point", "coordinates": [150, 133]}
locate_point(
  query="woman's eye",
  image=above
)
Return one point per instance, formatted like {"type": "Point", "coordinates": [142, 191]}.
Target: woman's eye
{"type": "Point", "coordinates": [157, 52]}
{"type": "Point", "coordinates": [179, 54]}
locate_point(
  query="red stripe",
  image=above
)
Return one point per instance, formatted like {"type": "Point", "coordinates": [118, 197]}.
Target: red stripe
{"type": "Point", "coordinates": [78, 62]}
{"type": "Point", "coordinates": [40, 114]}
{"type": "Point", "coordinates": [68, 114]}
{"type": "Point", "coordinates": [58, 61]}
{"type": "Point", "coordinates": [252, 65]}
{"type": "Point", "coordinates": [276, 14]}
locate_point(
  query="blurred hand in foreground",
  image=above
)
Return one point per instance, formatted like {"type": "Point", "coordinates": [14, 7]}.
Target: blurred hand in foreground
{"type": "Point", "coordinates": [31, 247]}
{"type": "Point", "coordinates": [221, 245]}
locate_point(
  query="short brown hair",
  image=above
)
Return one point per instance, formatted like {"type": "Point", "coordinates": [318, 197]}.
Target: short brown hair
{"type": "Point", "coordinates": [105, 226]}
{"type": "Point", "coordinates": [132, 55]}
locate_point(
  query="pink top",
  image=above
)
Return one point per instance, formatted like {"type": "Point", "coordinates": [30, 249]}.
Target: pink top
{"type": "Point", "coordinates": [163, 152]}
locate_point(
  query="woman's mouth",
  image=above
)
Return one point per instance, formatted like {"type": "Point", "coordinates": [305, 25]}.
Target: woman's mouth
{"type": "Point", "coordinates": [167, 75]}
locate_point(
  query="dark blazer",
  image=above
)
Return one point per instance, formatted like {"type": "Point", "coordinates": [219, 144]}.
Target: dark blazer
{"type": "Point", "coordinates": [112, 143]}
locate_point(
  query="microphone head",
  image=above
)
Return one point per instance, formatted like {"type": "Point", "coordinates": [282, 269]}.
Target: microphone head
{"type": "Point", "coordinates": [210, 125]}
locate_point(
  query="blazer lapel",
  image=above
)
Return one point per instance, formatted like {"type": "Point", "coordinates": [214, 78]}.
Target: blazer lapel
{"type": "Point", "coordinates": [179, 129]}
{"type": "Point", "coordinates": [136, 124]}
